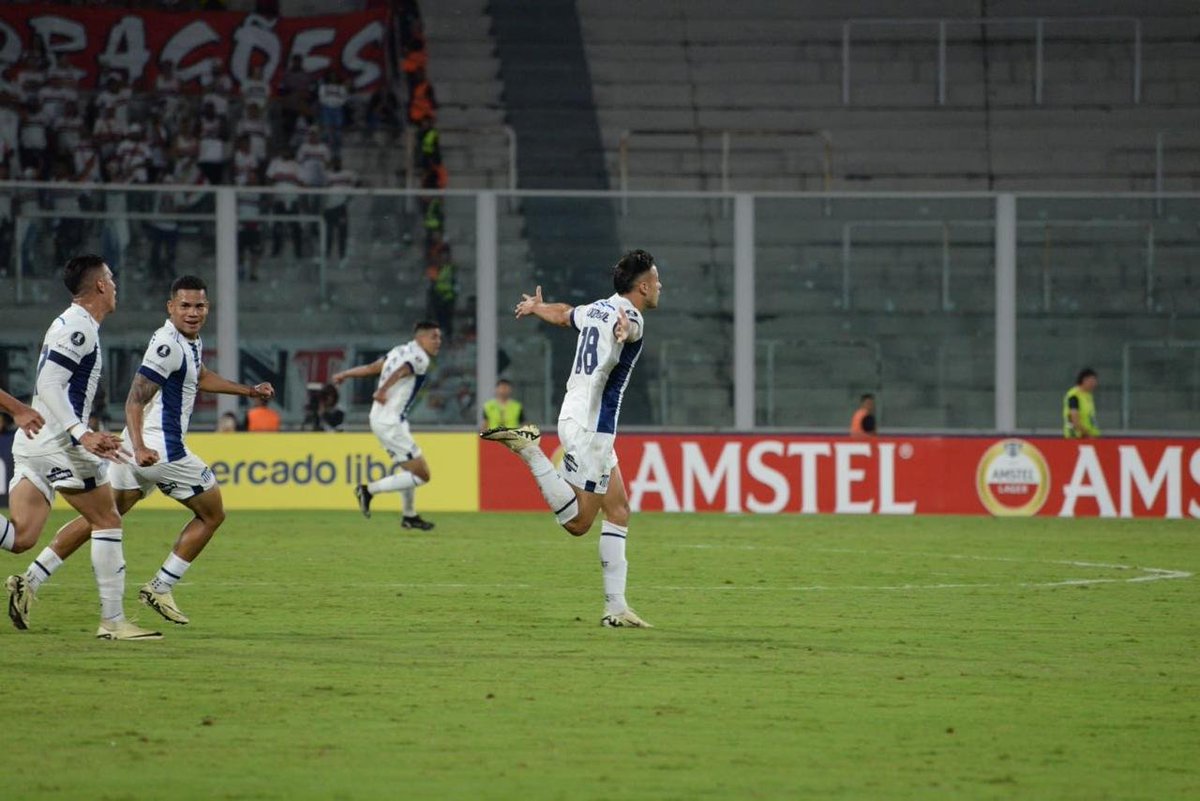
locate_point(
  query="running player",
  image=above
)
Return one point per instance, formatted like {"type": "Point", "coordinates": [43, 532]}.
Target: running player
{"type": "Point", "coordinates": [401, 373]}
{"type": "Point", "coordinates": [67, 457]}
{"type": "Point", "coordinates": [609, 342]}
{"type": "Point", "coordinates": [26, 418]}
{"type": "Point", "coordinates": [157, 412]}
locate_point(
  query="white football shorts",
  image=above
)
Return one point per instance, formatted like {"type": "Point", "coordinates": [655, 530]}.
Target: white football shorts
{"type": "Point", "coordinates": [182, 479]}
{"type": "Point", "coordinates": [588, 457]}
{"type": "Point", "coordinates": [72, 469]}
{"type": "Point", "coordinates": [397, 440]}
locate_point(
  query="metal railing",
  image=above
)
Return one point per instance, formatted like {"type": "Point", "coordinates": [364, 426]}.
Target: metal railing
{"type": "Point", "coordinates": [726, 136]}
{"type": "Point", "coordinates": [510, 137]}
{"type": "Point", "coordinates": [24, 218]}
{"type": "Point", "coordinates": [941, 24]}
{"type": "Point", "coordinates": [944, 244]}
{"type": "Point", "coordinates": [1127, 368]}
{"type": "Point", "coordinates": [771, 345]}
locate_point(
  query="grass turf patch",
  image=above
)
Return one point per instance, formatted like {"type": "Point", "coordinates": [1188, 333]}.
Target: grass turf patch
{"type": "Point", "coordinates": [335, 657]}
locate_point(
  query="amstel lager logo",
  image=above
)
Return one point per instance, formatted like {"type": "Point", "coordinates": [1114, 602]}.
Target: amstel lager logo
{"type": "Point", "coordinates": [1013, 479]}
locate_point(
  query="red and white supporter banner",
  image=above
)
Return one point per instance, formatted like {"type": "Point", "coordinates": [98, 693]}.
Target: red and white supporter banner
{"type": "Point", "coordinates": [137, 42]}
{"type": "Point", "coordinates": [901, 475]}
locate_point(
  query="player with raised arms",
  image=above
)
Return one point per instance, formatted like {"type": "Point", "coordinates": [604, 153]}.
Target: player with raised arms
{"type": "Point", "coordinates": [607, 348]}
{"type": "Point", "coordinates": [157, 412]}
{"type": "Point", "coordinates": [401, 373]}
{"type": "Point", "coordinates": [66, 456]}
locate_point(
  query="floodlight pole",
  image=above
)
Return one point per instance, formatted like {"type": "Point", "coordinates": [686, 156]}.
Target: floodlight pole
{"type": "Point", "coordinates": [227, 295]}
{"type": "Point", "coordinates": [1006, 312]}
{"type": "Point", "coordinates": [486, 270]}
{"type": "Point", "coordinates": [743, 312]}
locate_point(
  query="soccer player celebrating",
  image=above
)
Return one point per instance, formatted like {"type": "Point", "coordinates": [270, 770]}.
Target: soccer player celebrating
{"type": "Point", "coordinates": [610, 339]}
{"type": "Point", "coordinates": [26, 417]}
{"type": "Point", "coordinates": [157, 411]}
{"type": "Point", "coordinates": [66, 456]}
{"type": "Point", "coordinates": [401, 373]}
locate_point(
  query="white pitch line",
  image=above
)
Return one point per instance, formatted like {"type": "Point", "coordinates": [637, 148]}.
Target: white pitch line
{"type": "Point", "coordinates": [1148, 574]}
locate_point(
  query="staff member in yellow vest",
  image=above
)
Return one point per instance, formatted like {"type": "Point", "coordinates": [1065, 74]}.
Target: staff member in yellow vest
{"type": "Point", "coordinates": [1079, 408]}
{"type": "Point", "coordinates": [504, 409]}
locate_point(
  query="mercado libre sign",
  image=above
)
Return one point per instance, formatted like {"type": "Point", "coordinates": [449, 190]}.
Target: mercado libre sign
{"type": "Point", "coordinates": [136, 43]}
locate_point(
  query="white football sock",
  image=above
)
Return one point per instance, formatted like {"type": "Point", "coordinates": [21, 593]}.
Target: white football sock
{"type": "Point", "coordinates": [8, 534]}
{"type": "Point", "coordinates": [397, 482]}
{"type": "Point", "coordinates": [42, 568]}
{"type": "Point", "coordinates": [108, 562]}
{"type": "Point", "coordinates": [612, 560]}
{"type": "Point", "coordinates": [555, 490]}
{"type": "Point", "coordinates": [409, 497]}
{"type": "Point", "coordinates": [172, 570]}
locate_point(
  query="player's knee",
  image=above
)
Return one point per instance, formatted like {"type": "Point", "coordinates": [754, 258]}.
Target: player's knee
{"type": "Point", "coordinates": [107, 519]}
{"type": "Point", "coordinates": [24, 540]}
{"type": "Point", "coordinates": [213, 518]}
{"type": "Point", "coordinates": [422, 473]}
{"type": "Point", "coordinates": [618, 513]}
{"type": "Point", "coordinates": [576, 526]}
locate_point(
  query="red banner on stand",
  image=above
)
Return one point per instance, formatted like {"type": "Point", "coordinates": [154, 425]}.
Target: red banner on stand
{"type": "Point", "coordinates": [888, 475]}
{"type": "Point", "coordinates": [136, 42]}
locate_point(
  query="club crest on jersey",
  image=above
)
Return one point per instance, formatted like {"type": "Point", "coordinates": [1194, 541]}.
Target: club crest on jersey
{"type": "Point", "coordinates": [77, 338]}
{"type": "Point", "coordinates": [164, 351]}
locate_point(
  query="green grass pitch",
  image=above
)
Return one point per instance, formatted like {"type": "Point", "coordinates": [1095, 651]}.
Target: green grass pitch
{"type": "Point", "coordinates": [332, 657]}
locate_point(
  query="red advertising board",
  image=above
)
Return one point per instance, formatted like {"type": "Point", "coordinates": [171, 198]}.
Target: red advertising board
{"type": "Point", "coordinates": [888, 475]}
{"type": "Point", "coordinates": [137, 42]}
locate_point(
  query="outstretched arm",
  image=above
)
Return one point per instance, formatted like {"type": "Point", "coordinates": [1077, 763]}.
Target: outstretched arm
{"type": "Point", "coordinates": [212, 382]}
{"type": "Point", "coordinates": [26, 418]}
{"type": "Point", "coordinates": [362, 371]}
{"type": "Point", "coordinates": [553, 313]}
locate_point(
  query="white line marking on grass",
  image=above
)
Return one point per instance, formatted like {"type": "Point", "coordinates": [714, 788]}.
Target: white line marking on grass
{"type": "Point", "coordinates": [1147, 574]}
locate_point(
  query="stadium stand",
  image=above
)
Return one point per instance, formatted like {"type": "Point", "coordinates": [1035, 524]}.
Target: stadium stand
{"type": "Point", "coordinates": [854, 293]}
{"type": "Point", "coordinates": [778, 67]}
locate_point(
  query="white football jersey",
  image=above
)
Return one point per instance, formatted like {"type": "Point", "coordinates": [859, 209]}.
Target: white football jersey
{"type": "Point", "coordinates": [602, 364]}
{"type": "Point", "coordinates": [173, 362]}
{"type": "Point", "coordinates": [403, 393]}
{"type": "Point", "coordinates": [72, 343]}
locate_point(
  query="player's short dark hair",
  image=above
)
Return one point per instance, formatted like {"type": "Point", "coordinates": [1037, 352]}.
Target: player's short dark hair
{"type": "Point", "coordinates": [79, 269]}
{"type": "Point", "coordinates": [188, 282]}
{"type": "Point", "coordinates": [632, 266]}
{"type": "Point", "coordinates": [424, 325]}
{"type": "Point", "coordinates": [1086, 372]}
{"type": "Point", "coordinates": [504, 381]}
{"type": "Point", "coordinates": [866, 396]}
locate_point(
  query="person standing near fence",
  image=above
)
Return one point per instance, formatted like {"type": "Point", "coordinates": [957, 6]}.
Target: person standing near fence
{"type": "Point", "coordinates": [1079, 407]}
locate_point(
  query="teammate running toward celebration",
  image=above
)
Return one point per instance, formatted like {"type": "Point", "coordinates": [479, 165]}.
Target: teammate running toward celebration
{"type": "Point", "coordinates": [157, 411]}
{"type": "Point", "coordinates": [609, 342]}
{"type": "Point", "coordinates": [66, 456]}
{"type": "Point", "coordinates": [401, 373]}
{"type": "Point", "coordinates": [26, 417]}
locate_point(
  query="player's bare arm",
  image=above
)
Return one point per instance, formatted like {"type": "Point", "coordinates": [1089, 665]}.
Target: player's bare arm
{"type": "Point", "coordinates": [621, 326]}
{"type": "Point", "coordinates": [141, 392]}
{"type": "Point", "coordinates": [361, 371]}
{"type": "Point", "coordinates": [553, 313]}
{"type": "Point", "coordinates": [213, 382]}
{"type": "Point", "coordinates": [381, 394]}
{"type": "Point", "coordinates": [26, 418]}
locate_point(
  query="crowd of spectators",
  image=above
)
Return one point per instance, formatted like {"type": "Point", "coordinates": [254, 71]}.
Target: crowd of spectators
{"type": "Point", "coordinates": [287, 136]}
